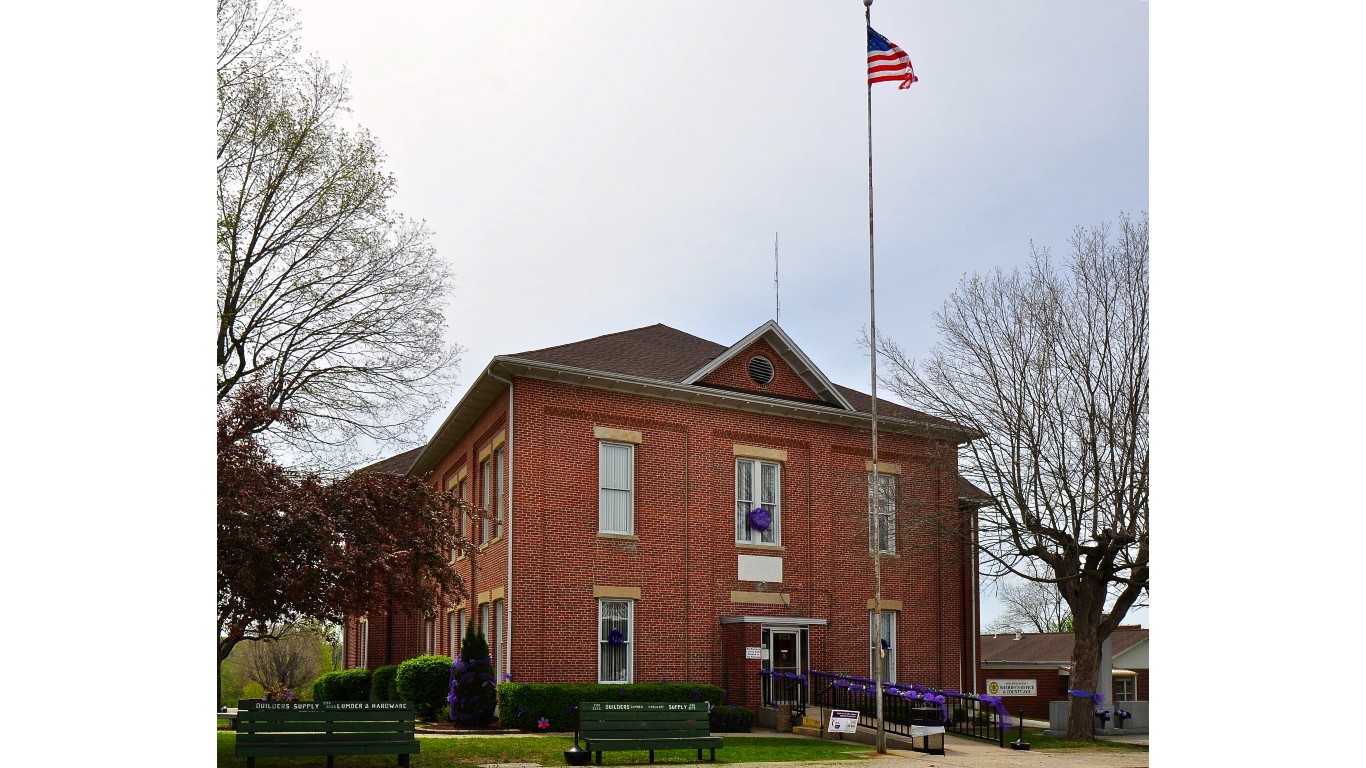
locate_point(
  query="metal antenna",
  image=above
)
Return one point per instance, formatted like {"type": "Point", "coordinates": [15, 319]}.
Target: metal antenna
{"type": "Point", "coordinates": [777, 305]}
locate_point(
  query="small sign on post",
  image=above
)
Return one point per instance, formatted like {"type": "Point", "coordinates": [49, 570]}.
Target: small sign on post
{"type": "Point", "coordinates": [843, 721]}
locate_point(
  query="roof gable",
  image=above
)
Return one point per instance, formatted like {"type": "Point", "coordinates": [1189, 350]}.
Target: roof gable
{"type": "Point", "coordinates": [803, 380]}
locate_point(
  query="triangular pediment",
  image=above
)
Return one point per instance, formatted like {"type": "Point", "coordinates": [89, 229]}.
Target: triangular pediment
{"type": "Point", "coordinates": [768, 362]}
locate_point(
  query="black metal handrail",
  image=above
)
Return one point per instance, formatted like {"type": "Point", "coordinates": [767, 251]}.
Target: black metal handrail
{"type": "Point", "coordinates": [792, 686]}
{"type": "Point", "coordinates": [907, 705]}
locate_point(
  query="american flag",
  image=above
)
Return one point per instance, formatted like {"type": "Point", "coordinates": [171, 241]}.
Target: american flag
{"type": "Point", "coordinates": [886, 61]}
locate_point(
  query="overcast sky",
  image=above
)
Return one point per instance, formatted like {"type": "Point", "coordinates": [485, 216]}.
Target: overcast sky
{"type": "Point", "coordinates": [592, 167]}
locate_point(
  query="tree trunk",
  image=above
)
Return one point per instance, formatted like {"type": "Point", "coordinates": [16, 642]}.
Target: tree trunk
{"type": "Point", "coordinates": [1085, 676]}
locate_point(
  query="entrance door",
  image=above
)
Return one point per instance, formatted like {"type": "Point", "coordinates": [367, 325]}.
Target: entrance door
{"type": "Point", "coordinates": [785, 656]}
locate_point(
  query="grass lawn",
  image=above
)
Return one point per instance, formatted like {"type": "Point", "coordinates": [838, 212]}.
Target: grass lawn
{"type": "Point", "coordinates": [549, 751]}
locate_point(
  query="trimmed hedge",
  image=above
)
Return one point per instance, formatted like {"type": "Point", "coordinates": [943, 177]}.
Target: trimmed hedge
{"type": "Point", "coordinates": [422, 680]}
{"type": "Point", "coordinates": [726, 719]}
{"type": "Point", "coordinates": [382, 684]}
{"type": "Point", "coordinates": [345, 685]}
{"type": "Point", "coordinates": [522, 705]}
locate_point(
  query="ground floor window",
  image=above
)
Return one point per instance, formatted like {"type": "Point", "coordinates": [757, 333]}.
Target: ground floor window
{"type": "Point", "coordinates": [882, 650]}
{"type": "Point", "coordinates": [616, 621]}
{"type": "Point", "coordinates": [1126, 689]}
{"type": "Point", "coordinates": [363, 652]}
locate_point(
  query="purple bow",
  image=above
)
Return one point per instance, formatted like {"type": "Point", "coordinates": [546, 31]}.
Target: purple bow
{"type": "Point", "coordinates": [995, 701]}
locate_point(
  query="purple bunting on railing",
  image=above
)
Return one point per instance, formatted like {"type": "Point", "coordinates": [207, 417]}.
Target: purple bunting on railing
{"type": "Point", "coordinates": [995, 701]}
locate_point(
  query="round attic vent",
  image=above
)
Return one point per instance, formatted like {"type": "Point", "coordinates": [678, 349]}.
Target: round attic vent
{"type": "Point", "coordinates": [760, 370]}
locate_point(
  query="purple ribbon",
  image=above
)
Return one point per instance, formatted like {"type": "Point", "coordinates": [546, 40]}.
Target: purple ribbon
{"type": "Point", "coordinates": [995, 701]}
{"type": "Point", "coordinates": [1095, 698]}
{"type": "Point", "coordinates": [760, 519]}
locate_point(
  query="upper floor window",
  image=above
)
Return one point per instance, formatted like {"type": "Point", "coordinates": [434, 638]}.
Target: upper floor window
{"type": "Point", "coordinates": [758, 502]}
{"type": "Point", "coordinates": [616, 487]}
{"type": "Point", "coordinates": [491, 480]}
{"type": "Point", "coordinates": [882, 521]}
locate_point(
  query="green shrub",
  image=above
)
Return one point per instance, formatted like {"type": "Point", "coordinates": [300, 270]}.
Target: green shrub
{"type": "Point", "coordinates": [347, 685]}
{"type": "Point", "coordinates": [727, 719]}
{"type": "Point", "coordinates": [522, 705]}
{"type": "Point", "coordinates": [472, 686]}
{"type": "Point", "coordinates": [423, 681]}
{"type": "Point", "coordinates": [383, 684]}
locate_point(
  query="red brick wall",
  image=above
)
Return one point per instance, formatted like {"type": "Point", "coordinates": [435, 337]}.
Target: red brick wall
{"type": "Point", "coordinates": [684, 559]}
{"type": "Point", "coordinates": [734, 374]}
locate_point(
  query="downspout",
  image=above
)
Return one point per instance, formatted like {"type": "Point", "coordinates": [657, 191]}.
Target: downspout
{"type": "Point", "coordinates": [687, 557]}
{"type": "Point", "coordinates": [506, 629]}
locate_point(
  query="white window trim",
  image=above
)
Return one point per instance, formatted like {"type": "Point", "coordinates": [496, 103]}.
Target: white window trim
{"type": "Point", "coordinates": [889, 518]}
{"type": "Point", "coordinates": [873, 645]}
{"type": "Point", "coordinates": [755, 537]}
{"type": "Point", "coordinates": [630, 488]}
{"type": "Point", "coordinates": [429, 629]}
{"type": "Point", "coordinates": [629, 641]}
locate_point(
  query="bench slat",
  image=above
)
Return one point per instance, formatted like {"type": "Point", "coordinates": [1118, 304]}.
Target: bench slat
{"type": "Point", "coordinates": [291, 750]}
{"type": "Point", "coordinates": [366, 727]}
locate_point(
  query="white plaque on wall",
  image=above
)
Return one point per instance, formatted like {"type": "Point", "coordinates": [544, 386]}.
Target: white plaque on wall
{"type": "Point", "coordinates": [757, 568]}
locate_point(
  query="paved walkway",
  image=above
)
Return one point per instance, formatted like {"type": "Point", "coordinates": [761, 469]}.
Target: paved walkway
{"type": "Point", "coordinates": [958, 753]}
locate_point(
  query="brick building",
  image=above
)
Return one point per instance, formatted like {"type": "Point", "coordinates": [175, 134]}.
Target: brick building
{"type": "Point", "coordinates": [1042, 661]}
{"type": "Point", "coordinates": [669, 508]}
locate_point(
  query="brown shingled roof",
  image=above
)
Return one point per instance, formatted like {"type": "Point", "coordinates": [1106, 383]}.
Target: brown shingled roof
{"type": "Point", "coordinates": [1049, 647]}
{"type": "Point", "coordinates": [398, 464]}
{"type": "Point", "coordinates": [971, 494]}
{"type": "Point", "coordinates": [653, 352]}
{"type": "Point", "coordinates": [668, 354]}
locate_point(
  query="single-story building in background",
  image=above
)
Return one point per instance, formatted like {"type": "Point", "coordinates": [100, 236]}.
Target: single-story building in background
{"type": "Point", "coordinates": [1031, 669]}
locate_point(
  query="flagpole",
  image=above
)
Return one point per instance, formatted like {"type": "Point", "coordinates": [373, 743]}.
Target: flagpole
{"type": "Point", "coordinates": [881, 741]}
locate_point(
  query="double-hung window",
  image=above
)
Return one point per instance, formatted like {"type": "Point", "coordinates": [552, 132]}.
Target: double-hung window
{"type": "Point", "coordinates": [616, 487]}
{"type": "Point", "coordinates": [429, 630]}
{"type": "Point", "coordinates": [882, 498]}
{"type": "Point", "coordinates": [453, 630]}
{"type": "Point", "coordinates": [886, 644]}
{"type": "Point", "coordinates": [1125, 689]}
{"type": "Point", "coordinates": [491, 483]}
{"type": "Point", "coordinates": [758, 485]}
{"type": "Point", "coordinates": [491, 480]}
{"type": "Point", "coordinates": [615, 625]}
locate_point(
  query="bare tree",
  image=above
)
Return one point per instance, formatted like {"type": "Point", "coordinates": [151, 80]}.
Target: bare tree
{"type": "Point", "coordinates": [1031, 605]}
{"type": "Point", "coordinates": [1052, 367]}
{"type": "Point", "coordinates": [287, 661]}
{"type": "Point", "coordinates": [327, 299]}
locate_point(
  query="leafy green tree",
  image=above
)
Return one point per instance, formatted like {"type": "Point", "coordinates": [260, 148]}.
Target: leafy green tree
{"type": "Point", "coordinates": [473, 684]}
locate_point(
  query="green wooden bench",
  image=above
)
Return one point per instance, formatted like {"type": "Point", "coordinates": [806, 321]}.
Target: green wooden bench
{"type": "Point", "coordinates": [288, 728]}
{"type": "Point", "coordinates": [607, 727]}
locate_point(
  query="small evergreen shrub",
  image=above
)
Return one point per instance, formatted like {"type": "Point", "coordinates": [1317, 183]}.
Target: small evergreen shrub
{"type": "Point", "coordinates": [727, 719]}
{"type": "Point", "coordinates": [346, 685]}
{"type": "Point", "coordinates": [522, 705]}
{"type": "Point", "coordinates": [472, 687]}
{"type": "Point", "coordinates": [383, 684]}
{"type": "Point", "coordinates": [422, 680]}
